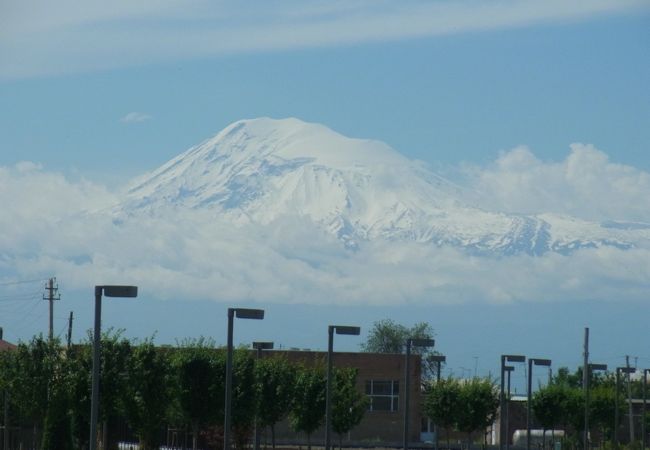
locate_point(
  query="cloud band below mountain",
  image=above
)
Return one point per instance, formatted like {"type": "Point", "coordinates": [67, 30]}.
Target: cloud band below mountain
{"type": "Point", "coordinates": [52, 225]}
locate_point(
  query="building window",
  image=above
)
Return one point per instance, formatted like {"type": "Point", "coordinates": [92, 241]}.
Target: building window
{"type": "Point", "coordinates": [383, 395]}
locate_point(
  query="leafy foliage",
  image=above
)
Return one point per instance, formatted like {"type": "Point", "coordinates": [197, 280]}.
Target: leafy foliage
{"type": "Point", "coordinates": [479, 401]}
{"type": "Point", "coordinates": [388, 336]}
{"type": "Point", "coordinates": [275, 378]}
{"type": "Point", "coordinates": [348, 403]}
{"type": "Point", "coordinates": [198, 378]}
{"type": "Point", "coordinates": [308, 409]}
{"type": "Point", "coordinates": [442, 403]}
{"type": "Point", "coordinates": [149, 393]}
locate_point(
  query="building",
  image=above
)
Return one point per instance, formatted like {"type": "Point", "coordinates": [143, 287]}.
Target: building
{"type": "Point", "coordinates": [381, 378]}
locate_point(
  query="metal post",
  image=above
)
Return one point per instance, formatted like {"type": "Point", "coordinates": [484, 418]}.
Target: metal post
{"type": "Point", "coordinates": [530, 397]}
{"type": "Point", "coordinates": [501, 404]}
{"type": "Point", "coordinates": [328, 393]}
{"type": "Point", "coordinates": [507, 424]}
{"type": "Point", "coordinates": [406, 393]}
{"type": "Point", "coordinates": [435, 425]}
{"type": "Point", "coordinates": [587, 373]}
{"type": "Point", "coordinates": [643, 436]}
{"type": "Point", "coordinates": [94, 401]}
{"type": "Point", "coordinates": [228, 406]}
{"type": "Point", "coordinates": [585, 386]}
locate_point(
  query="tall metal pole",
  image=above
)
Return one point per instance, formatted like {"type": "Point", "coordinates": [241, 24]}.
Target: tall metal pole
{"type": "Point", "coordinates": [585, 387]}
{"type": "Point", "coordinates": [643, 417]}
{"type": "Point", "coordinates": [530, 397]}
{"type": "Point", "coordinates": [228, 406]}
{"type": "Point", "coordinates": [508, 414]}
{"type": "Point", "coordinates": [94, 401]}
{"type": "Point", "coordinates": [407, 387]}
{"type": "Point", "coordinates": [629, 398]}
{"type": "Point", "coordinates": [328, 396]}
{"type": "Point", "coordinates": [50, 289]}
{"type": "Point", "coordinates": [501, 404]}
{"type": "Point", "coordinates": [435, 425]}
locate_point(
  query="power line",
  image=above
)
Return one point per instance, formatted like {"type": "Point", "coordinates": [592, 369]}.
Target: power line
{"type": "Point", "coordinates": [12, 283]}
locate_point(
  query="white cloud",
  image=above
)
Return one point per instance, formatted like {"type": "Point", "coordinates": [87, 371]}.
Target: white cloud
{"type": "Point", "coordinates": [197, 255]}
{"type": "Point", "coordinates": [40, 38]}
{"type": "Point", "coordinates": [586, 185]}
{"type": "Point", "coordinates": [135, 117]}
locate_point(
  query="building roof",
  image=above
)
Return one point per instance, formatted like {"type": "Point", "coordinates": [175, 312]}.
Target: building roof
{"type": "Point", "coordinates": [4, 345]}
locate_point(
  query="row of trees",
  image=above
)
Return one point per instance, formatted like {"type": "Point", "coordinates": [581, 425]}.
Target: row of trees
{"type": "Point", "coordinates": [149, 387]}
{"type": "Point", "coordinates": [561, 404]}
{"type": "Point", "coordinates": [467, 406]}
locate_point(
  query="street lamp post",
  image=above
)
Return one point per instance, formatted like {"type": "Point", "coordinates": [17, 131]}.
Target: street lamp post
{"type": "Point", "coordinates": [108, 291]}
{"type": "Point", "coordinates": [531, 362]}
{"type": "Point", "coordinates": [504, 359]}
{"type": "Point", "coordinates": [590, 369]}
{"type": "Point", "coordinates": [240, 313]}
{"type": "Point", "coordinates": [259, 346]}
{"type": "Point", "coordinates": [438, 359]}
{"type": "Point", "coordinates": [619, 370]}
{"type": "Point", "coordinates": [331, 330]}
{"type": "Point", "coordinates": [643, 431]}
{"type": "Point", "coordinates": [508, 370]}
{"type": "Point", "coordinates": [407, 380]}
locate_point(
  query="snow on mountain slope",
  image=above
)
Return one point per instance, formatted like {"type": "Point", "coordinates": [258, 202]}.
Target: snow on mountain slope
{"type": "Point", "coordinates": [261, 170]}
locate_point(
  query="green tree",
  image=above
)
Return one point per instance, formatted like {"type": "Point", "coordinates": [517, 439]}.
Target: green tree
{"type": "Point", "coordinates": [275, 378]}
{"type": "Point", "coordinates": [243, 396]}
{"type": "Point", "coordinates": [149, 393]}
{"type": "Point", "coordinates": [198, 375]}
{"type": "Point", "coordinates": [388, 336]}
{"type": "Point", "coordinates": [549, 404]}
{"type": "Point", "coordinates": [442, 403]}
{"type": "Point", "coordinates": [348, 403]}
{"type": "Point", "coordinates": [31, 373]}
{"type": "Point", "coordinates": [308, 409]}
{"type": "Point", "coordinates": [602, 408]}
{"type": "Point", "coordinates": [478, 403]}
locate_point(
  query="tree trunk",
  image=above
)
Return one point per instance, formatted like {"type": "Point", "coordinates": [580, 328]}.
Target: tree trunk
{"type": "Point", "coordinates": [308, 441]}
{"type": "Point", "coordinates": [273, 436]}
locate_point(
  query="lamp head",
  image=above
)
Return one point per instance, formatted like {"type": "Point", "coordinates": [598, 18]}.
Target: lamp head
{"type": "Point", "coordinates": [263, 345]}
{"type": "Point", "coordinates": [342, 329]}
{"type": "Point", "coordinates": [118, 291]}
{"type": "Point", "coordinates": [248, 313]}
{"type": "Point", "coordinates": [415, 342]}
{"type": "Point", "coordinates": [541, 362]}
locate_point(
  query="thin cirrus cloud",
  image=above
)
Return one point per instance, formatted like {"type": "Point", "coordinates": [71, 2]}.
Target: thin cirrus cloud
{"type": "Point", "coordinates": [39, 38]}
{"type": "Point", "coordinates": [292, 261]}
{"type": "Point", "coordinates": [135, 117]}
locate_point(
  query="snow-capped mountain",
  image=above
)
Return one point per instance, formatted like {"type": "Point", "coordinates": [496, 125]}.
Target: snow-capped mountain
{"type": "Point", "coordinates": [261, 170]}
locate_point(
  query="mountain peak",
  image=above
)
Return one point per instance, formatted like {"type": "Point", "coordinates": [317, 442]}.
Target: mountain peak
{"type": "Point", "coordinates": [262, 170]}
{"type": "Point", "coordinates": [292, 138]}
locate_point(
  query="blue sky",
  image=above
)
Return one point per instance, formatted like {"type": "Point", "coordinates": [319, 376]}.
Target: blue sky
{"type": "Point", "coordinates": [104, 94]}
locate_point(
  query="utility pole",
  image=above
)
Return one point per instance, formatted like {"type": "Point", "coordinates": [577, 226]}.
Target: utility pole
{"type": "Point", "coordinates": [629, 399]}
{"type": "Point", "coordinates": [69, 336]}
{"type": "Point", "coordinates": [51, 296]}
{"type": "Point", "coordinates": [585, 388]}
